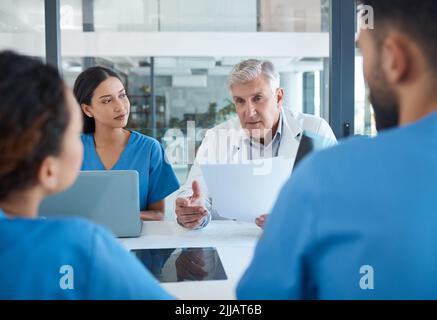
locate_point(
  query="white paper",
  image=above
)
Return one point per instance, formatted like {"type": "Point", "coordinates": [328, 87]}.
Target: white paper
{"type": "Point", "coordinates": [245, 191]}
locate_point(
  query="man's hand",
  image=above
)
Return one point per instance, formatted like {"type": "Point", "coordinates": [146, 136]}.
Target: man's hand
{"type": "Point", "coordinates": [261, 220]}
{"type": "Point", "coordinates": [190, 211]}
{"type": "Point", "coordinates": [189, 266]}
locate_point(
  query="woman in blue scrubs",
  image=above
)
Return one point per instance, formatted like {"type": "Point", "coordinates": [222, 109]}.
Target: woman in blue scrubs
{"type": "Point", "coordinates": [41, 154]}
{"type": "Point", "coordinates": [108, 146]}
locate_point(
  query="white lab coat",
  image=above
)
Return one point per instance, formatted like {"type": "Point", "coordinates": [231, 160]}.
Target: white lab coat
{"type": "Point", "coordinates": [216, 149]}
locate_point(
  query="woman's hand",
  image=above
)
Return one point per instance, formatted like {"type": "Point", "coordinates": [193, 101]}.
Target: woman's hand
{"type": "Point", "coordinates": [154, 212]}
{"type": "Point", "coordinates": [152, 215]}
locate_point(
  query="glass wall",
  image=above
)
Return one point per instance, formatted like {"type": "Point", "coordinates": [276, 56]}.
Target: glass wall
{"type": "Point", "coordinates": [191, 46]}
{"type": "Point", "coordinates": [190, 86]}
{"type": "Point", "coordinates": [198, 15]}
{"type": "Point", "coordinates": [22, 27]}
{"type": "Point", "coordinates": [364, 119]}
{"type": "Point", "coordinates": [293, 16]}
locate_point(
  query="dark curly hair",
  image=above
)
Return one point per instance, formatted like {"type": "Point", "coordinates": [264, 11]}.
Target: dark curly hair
{"type": "Point", "coordinates": [84, 87]}
{"type": "Point", "coordinates": [33, 119]}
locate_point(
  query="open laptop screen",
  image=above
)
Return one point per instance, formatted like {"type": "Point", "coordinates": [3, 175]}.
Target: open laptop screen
{"type": "Point", "coordinates": [106, 197]}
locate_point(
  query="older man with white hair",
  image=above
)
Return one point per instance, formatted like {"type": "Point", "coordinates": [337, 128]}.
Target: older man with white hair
{"type": "Point", "coordinates": [263, 129]}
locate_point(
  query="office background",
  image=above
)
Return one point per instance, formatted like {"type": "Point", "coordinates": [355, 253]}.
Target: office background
{"type": "Point", "coordinates": [175, 55]}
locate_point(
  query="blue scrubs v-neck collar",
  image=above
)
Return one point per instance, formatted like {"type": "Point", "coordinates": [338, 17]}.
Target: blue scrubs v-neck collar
{"type": "Point", "coordinates": [93, 145]}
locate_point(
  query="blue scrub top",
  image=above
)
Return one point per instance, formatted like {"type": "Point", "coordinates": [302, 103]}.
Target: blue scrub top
{"type": "Point", "coordinates": [143, 154]}
{"type": "Point", "coordinates": [34, 251]}
{"type": "Point", "coordinates": [357, 221]}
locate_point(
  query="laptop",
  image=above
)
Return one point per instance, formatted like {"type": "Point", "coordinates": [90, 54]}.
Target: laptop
{"type": "Point", "coordinates": [109, 198]}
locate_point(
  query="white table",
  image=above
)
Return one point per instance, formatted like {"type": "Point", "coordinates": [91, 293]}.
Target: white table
{"type": "Point", "coordinates": [235, 242]}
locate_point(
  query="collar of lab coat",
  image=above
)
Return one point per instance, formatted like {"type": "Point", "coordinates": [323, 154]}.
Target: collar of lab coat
{"type": "Point", "coordinates": [290, 137]}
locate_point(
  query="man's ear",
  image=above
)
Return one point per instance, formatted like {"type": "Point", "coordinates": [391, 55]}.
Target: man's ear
{"type": "Point", "coordinates": [87, 110]}
{"type": "Point", "coordinates": [48, 175]}
{"type": "Point", "coordinates": [280, 97]}
{"type": "Point", "coordinates": [396, 58]}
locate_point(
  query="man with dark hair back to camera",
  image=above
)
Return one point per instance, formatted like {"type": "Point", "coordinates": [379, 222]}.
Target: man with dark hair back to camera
{"type": "Point", "coordinates": [364, 214]}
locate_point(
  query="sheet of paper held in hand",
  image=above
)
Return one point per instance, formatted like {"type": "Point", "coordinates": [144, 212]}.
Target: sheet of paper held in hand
{"type": "Point", "coordinates": [245, 191]}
